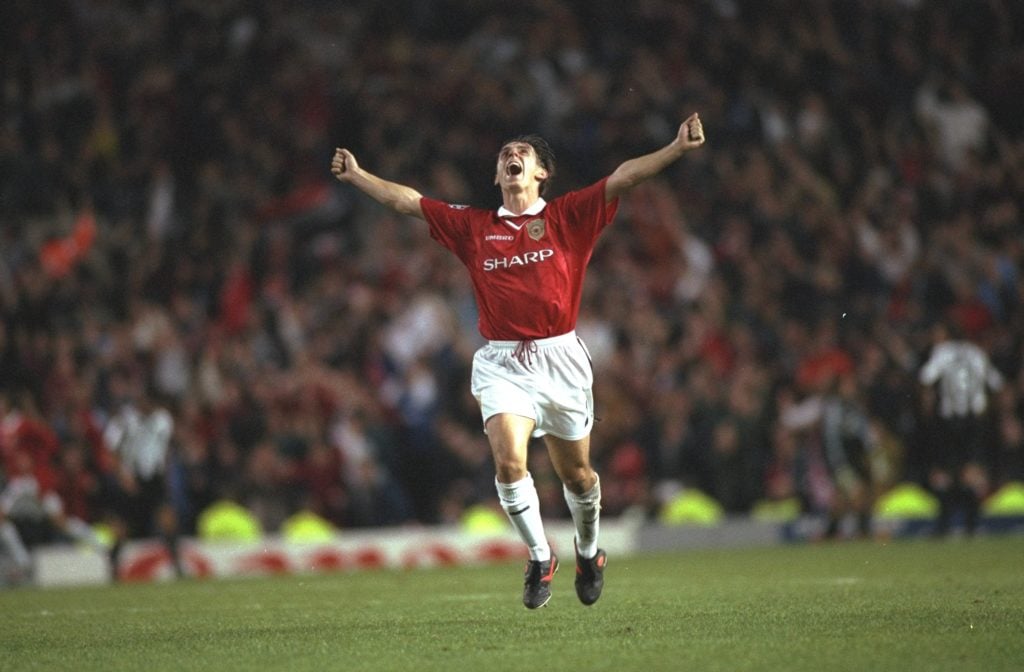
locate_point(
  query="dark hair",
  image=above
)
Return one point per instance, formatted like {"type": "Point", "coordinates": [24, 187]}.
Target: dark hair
{"type": "Point", "coordinates": [545, 155]}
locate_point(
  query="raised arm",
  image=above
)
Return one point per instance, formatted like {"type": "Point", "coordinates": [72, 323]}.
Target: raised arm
{"type": "Point", "coordinates": [398, 197]}
{"type": "Point", "coordinates": [635, 171]}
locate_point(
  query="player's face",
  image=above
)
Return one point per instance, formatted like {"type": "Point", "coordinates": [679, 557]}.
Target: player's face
{"type": "Point", "coordinates": [518, 167]}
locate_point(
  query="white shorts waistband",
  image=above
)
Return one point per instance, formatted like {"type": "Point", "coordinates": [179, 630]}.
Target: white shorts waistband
{"type": "Point", "coordinates": [540, 342]}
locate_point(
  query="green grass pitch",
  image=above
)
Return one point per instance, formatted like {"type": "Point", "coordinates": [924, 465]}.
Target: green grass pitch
{"type": "Point", "coordinates": [902, 605]}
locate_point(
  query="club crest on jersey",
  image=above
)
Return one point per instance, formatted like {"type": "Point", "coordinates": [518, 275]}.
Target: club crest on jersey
{"type": "Point", "coordinates": [535, 228]}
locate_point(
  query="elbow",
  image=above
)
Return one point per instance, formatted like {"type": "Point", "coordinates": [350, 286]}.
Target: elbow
{"type": "Point", "coordinates": [401, 204]}
{"type": "Point", "coordinates": [621, 181]}
{"type": "Point", "coordinates": [409, 206]}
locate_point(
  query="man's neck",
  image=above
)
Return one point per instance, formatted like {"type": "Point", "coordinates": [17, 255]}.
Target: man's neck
{"type": "Point", "coordinates": [518, 202]}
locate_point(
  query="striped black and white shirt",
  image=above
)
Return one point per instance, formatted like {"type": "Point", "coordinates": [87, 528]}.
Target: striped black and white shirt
{"type": "Point", "coordinates": [965, 375]}
{"type": "Point", "coordinates": [140, 441]}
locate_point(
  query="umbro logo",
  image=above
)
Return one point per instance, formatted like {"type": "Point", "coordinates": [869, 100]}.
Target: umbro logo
{"type": "Point", "coordinates": [499, 236]}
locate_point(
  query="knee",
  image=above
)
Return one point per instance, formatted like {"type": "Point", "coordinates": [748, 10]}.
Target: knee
{"type": "Point", "coordinates": [580, 480]}
{"type": "Point", "coordinates": [509, 470]}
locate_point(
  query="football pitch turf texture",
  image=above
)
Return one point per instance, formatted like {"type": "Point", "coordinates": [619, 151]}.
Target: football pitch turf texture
{"type": "Point", "coordinates": [901, 605]}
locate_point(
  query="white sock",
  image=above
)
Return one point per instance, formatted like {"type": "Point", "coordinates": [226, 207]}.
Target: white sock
{"type": "Point", "coordinates": [11, 540]}
{"type": "Point", "coordinates": [522, 505]}
{"type": "Point", "coordinates": [586, 515]}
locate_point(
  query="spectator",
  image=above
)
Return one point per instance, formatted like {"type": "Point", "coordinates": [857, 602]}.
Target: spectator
{"type": "Point", "coordinates": [33, 513]}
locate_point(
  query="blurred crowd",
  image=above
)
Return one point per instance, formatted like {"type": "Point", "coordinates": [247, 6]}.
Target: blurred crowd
{"type": "Point", "coordinates": [172, 243]}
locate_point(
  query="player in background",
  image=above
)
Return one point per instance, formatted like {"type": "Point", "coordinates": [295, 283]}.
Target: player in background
{"type": "Point", "coordinates": [139, 439]}
{"type": "Point", "coordinates": [527, 262]}
{"type": "Point", "coordinates": [848, 440]}
{"type": "Point", "coordinates": [960, 454]}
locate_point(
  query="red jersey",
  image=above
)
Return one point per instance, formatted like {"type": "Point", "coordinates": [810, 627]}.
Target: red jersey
{"type": "Point", "coordinates": [527, 270]}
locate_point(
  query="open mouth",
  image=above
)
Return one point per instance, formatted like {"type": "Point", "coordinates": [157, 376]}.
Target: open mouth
{"type": "Point", "coordinates": [514, 169]}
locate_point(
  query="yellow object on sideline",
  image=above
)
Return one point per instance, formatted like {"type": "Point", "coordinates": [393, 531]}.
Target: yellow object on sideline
{"type": "Point", "coordinates": [691, 507]}
{"type": "Point", "coordinates": [307, 527]}
{"type": "Point", "coordinates": [226, 520]}
{"type": "Point", "coordinates": [1006, 501]}
{"type": "Point", "coordinates": [907, 501]}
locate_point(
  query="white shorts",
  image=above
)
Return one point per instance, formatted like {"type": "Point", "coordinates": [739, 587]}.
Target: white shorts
{"type": "Point", "coordinates": [549, 380]}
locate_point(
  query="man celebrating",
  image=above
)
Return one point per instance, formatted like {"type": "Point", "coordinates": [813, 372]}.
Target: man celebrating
{"type": "Point", "coordinates": [533, 378]}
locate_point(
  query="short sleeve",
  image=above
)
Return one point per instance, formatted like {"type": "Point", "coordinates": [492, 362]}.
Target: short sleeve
{"type": "Point", "coordinates": [449, 224]}
{"type": "Point", "coordinates": [587, 210]}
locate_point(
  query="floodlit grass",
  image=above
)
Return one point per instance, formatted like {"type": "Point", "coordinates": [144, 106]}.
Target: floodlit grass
{"type": "Point", "coordinates": [913, 605]}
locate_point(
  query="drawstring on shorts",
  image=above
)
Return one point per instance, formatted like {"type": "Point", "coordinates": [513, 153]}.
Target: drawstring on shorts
{"type": "Point", "coordinates": [524, 352]}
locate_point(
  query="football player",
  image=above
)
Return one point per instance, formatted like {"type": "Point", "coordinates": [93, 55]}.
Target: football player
{"type": "Point", "coordinates": [533, 378]}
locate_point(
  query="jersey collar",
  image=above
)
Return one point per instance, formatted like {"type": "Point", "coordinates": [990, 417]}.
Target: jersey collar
{"type": "Point", "coordinates": [534, 209]}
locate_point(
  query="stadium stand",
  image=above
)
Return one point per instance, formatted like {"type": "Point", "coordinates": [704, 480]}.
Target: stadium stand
{"type": "Point", "coordinates": [169, 222]}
